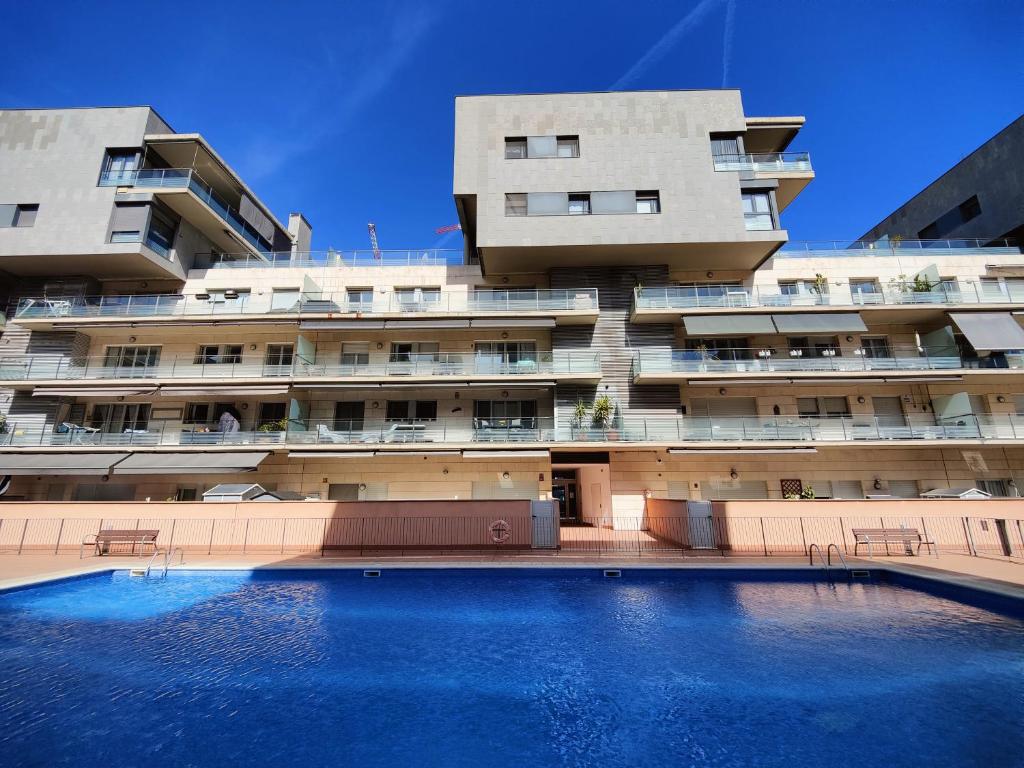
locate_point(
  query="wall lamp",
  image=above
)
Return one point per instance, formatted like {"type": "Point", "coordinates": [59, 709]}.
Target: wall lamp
{"type": "Point", "coordinates": [733, 474]}
{"type": "Point", "coordinates": [877, 484]}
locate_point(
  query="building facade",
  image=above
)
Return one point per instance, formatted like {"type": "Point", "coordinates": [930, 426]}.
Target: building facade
{"type": "Point", "coordinates": [628, 319]}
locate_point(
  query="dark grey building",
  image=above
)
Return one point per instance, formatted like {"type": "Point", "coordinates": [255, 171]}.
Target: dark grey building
{"type": "Point", "coordinates": [981, 197]}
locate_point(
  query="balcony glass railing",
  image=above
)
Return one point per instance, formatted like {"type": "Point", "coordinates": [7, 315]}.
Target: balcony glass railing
{"type": "Point", "coordinates": [811, 249]}
{"type": "Point", "coordinates": [423, 257]}
{"type": "Point", "coordinates": [187, 178]}
{"type": "Point", "coordinates": [177, 305]}
{"type": "Point", "coordinates": [766, 162]}
{"type": "Point", "coordinates": [893, 294]}
{"type": "Point", "coordinates": [770, 360]}
{"type": "Point", "coordinates": [51, 367]}
{"type": "Point", "coordinates": [668, 431]}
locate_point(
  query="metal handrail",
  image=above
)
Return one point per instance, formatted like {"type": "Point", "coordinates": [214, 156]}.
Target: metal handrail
{"type": "Point", "coordinates": [821, 555]}
{"type": "Point", "coordinates": [768, 358]}
{"type": "Point", "coordinates": [842, 558]}
{"type": "Point", "coordinates": [156, 553]}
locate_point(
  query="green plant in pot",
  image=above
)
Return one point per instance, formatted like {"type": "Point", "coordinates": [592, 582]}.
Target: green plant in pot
{"type": "Point", "coordinates": [281, 425]}
{"type": "Point", "coordinates": [580, 411]}
{"type": "Point", "coordinates": [603, 409]}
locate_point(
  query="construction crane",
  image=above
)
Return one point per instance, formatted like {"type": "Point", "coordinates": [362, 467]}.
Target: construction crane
{"type": "Point", "coordinates": [448, 228]}
{"type": "Point", "coordinates": [372, 228]}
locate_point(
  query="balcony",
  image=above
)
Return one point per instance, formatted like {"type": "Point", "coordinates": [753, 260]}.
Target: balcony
{"type": "Point", "coordinates": [574, 305]}
{"type": "Point", "coordinates": [188, 180]}
{"type": "Point", "coordinates": [398, 369]}
{"type": "Point", "coordinates": [792, 169]}
{"type": "Point", "coordinates": [424, 257]}
{"type": "Point", "coordinates": [660, 304]}
{"type": "Point", "coordinates": [788, 431]}
{"type": "Point", "coordinates": [658, 366]}
{"type": "Point", "coordinates": [846, 249]}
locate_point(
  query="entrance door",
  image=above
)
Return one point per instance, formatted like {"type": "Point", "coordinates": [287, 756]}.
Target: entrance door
{"type": "Point", "coordinates": [564, 491]}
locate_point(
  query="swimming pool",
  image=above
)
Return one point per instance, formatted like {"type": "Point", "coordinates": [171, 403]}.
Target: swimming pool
{"type": "Point", "coordinates": [505, 667]}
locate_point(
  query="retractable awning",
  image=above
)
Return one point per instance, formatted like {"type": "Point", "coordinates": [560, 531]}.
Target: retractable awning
{"type": "Point", "coordinates": [513, 322]}
{"type": "Point", "coordinates": [214, 390]}
{"type": "Point", "coordinates": [820, 322]}
{"type": "Point", "coordinates": [91, 391]}
{"type": "Point", "coordinates": [506, 454]}
{"type": "Point", "coordinates": [189, 463]}
{"type": "Point", "coordinates": [990, 331]}
{"type": "Point", "coordinates": [59, 463]}
{"type": "Point", "coordinates": [728, 325]}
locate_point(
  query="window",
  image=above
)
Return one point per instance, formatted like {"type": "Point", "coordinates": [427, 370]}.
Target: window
{"type": "Point", "coordinates": [279, 354]}
{"type": "Point", "coordinates": [348, 416]}
{"type": "Point", "coordinates": [789, 287]}
{"type": "Point", "coordinates": [815, 346]}
{"type": "Point", "coordinates": [205, 413]}
{"type": "Point", "coordinates": [128, 221]}
{"type": "Point", "coordinates": [865, 291]}
{"type": "Point", "coordinates": [343, 492]}
{"type": "Point", "coordinates": [875, 346]}
{"type": "Point", "coordinates": [359, 299]}
{"type": "Point", "coordinates": [411, 410]}
{"type": "Point", "coordinates": [218, 354]}
{"type": "Point", "coordinates": [355, 353]}
{"type": "Point", "coordinates": [727, 146]}
{"type": "Point", "coordinates": [274, 414]}
{"type": "Point", "coordinates": [757, 211]}
{"type": "Point", "coordinates": [229, 300]}
{"type": "Point", "coordinates": [414, 299]}
{"type": "Point", "coordinates": [413, 351]}
{"type": "Point", "coordinates": [568, 146]}
{"type": "Point", "coordinates": [949, 221]}
{"type": "Point", "coordinates": [522, 147]}
{"type": "Point", "coordinates": [515, 148]}
{"type": "Point", "coordinates": [160, 235]}
{"type": "Point", "coordinates": [648, 202]}
{"type": "Point", "coordinates": [119, 418]}
{"type": "Point", "coordinates": [25, 215]}
{"type": "Point", "coordinates": [119, 166]}
{"type": "Point", "coordinates": [515, 204]}
{"type": "Point", "coordinates": [186, 494]}
{"type": "Point", "coordinates": [505, 414]}
{"type": "Point", "coordinates": [132, 357]}
{"type": "Point", "coordinates": [505, 356]}
{"type": "Point", "coordinates": [284, 298]}
{"type": "Point", "coordinates": [579, 202]}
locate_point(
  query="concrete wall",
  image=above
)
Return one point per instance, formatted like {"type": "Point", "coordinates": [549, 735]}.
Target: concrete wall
{"type": "Point", "coordinates": [628, 141]}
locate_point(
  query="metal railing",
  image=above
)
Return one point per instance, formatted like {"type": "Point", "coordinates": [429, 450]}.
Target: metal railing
{"type": "Point", "coordinates": [333, 258]}
{"type": "Point", "coordinates": [809, 249]}
{"type": "Point", "coordinates": [771, 360]}
{"type": "Point", "coordinates": [765, 162]}
{"type": "Point", "coordinates": [212, 367]}
{"type": "Point", "coordinates": [736, 297]}
{"type": "Point", "coordinates": [534, 430]}
{"type": "Point", "coordinates": [675, 534]}
{"type": "Point", "coordinates": [306, 304]}
{"type": "Point", "coordinates": [187, 178]}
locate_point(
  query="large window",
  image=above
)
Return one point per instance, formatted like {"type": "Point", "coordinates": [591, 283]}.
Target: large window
{"type": "Point", "coordinates": [132, 357]}
{"type": "Point", "coordinates": [359, 299]}
{"type": "Point", "coordinates": [272, 414]}
{"type": "Point", "coordinates": [757, 211]}
{"type": "Point", "coordinates": [205, 413]}
{"type": "Point", "coordinates": [505, 356]}
{"type": "Point", "coordinates": [279, 354]}
{"type": "Point", "coordinates": [413, 351]}
{"type": "Point", "coordinates": [162, 228]}
{"type": "Point", "coordinates": [218, 354]}
{"type": "Point", "coordinates": [490, 414]}
{"type": "Point", "coordinates": [582, 203]}
{"type": "Point", "coordinates": [355, 353]}
{"type": "Point", "coordinates": [648, 202]}
{"type": "Point", "coordinates": [524, 147]}
{"type": "Point", "coordinates": [411, 410]}
{"type": "Point", "coordinates": [18, 215]}
{"type": "Point", "coordinates": [815, 346]}
{"type": "Point", "coordinates": [119, 166]}
{"type": "Point", "coordinates": [417, 299]}
{"type": "Point", "coordinates": [118, 418]}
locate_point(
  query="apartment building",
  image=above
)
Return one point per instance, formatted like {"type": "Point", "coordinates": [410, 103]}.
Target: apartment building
{"type": "Point", "coordinates": [628, 319]}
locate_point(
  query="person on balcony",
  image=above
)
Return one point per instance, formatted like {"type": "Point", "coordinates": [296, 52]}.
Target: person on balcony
{"type": "Point", "coordinates": [228, 422]}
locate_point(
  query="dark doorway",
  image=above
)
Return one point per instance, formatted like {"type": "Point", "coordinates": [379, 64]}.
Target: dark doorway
{"type": "Point", "coordinates": [564, 490]}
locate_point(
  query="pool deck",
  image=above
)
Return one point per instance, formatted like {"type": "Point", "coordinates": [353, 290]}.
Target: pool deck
{"type": "Point", "coordinates": [998, 575]}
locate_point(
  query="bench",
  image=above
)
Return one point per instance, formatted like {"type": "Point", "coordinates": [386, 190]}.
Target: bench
{"type": "Point", "coordinates": [908, 537]}
{"type": "Point", "coordinates": [121, 542]}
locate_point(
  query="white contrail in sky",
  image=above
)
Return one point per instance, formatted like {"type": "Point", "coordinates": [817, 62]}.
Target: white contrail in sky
{"type": "Point", "coordinates": [666, 43]}
{"type": "Point", "coordinates": [730, 25]}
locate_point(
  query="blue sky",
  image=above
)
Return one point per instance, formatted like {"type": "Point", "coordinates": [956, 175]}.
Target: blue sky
{"type": "Point", "coordinates": [344, 110]}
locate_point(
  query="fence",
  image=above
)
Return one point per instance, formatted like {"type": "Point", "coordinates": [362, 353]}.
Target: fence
{"type": "Point", "coordinates": [648, 535]}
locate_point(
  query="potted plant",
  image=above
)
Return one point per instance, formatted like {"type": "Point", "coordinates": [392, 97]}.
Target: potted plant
{"type": "Point", "coordinates": [603, 409]}
{"type": "Point", "coordinates": [280, 425]}
{"type": "Point", "coordinates": [819, 286]}
{"type": "Point", "coordinates": [580, 411]}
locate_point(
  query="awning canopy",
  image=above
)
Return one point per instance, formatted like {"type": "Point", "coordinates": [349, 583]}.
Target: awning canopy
{"type": "Point", "coordinates": [215, 391]}
{"type": "Point", "coordinates": [820, 322]}
{"type": "Point", "coordinates": [91, 392]}
{"type": "Point", "coordinates": [728, 325]}
{"type": "Point", "coordinates": [990, 331]}
{"type": "Point", "coordinates": [189, 463]}
{"type": "Point", "coordinates": [506, 454]}
{"type": "Point", "coordinates": [514, 322]}
{"type": "Point", "coordinates": [59, 463]}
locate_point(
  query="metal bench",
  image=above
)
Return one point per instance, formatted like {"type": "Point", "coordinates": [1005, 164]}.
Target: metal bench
{"type": "Point", "coordinates": [908, 537]}
{"type": "Point", "coordinates": [120, 542]}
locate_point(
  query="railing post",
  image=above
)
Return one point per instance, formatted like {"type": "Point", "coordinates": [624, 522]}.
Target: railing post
{"type": "Point", "coordinates": [764, 539]}
{"type": "Point", "coordinates": [970, 539]}
{"type": "Point", "coordinates": [60, 532]}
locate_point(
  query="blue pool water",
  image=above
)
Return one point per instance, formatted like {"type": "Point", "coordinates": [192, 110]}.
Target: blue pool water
{"type": "Point", "coordinates": [505, 668]}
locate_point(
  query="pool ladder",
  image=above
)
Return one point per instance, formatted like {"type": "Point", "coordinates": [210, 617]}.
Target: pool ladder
{"type": "Point", "coordinates": [168, 554]}
{"type": "Point", "coordinates": [826, 559]}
